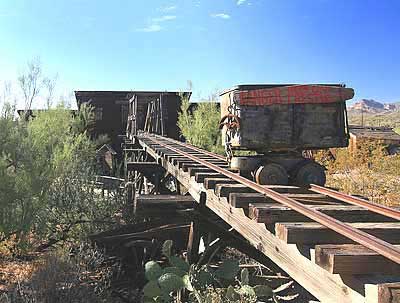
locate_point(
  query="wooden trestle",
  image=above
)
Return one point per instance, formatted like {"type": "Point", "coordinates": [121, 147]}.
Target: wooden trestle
{"type": "Point", "coordinates": [329, 265]}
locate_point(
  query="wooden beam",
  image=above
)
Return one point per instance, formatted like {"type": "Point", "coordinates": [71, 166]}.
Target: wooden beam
{"type": "Point", "coordinates": [199, 177]}
{"type": "Point", "coordinates": [140, 166]}
{"type": "Point", "coordinates": [323, 285]}
{"type": "Point", "coordinates": [210, 183]}
{"type": "Point", "coordinates": [223, 190]}
{"type": "Point", "coordinates": [193, 170]}
{"type": "Point", "coordinates": [192, 255]}
{"type": "Point", "coordinates": [383, 293]}
{"type": "Point", "coordinates": [269, 213]}
{"type": "Point", "coordinates": [242, 200]}
{"type": "Point", "coordinates": [162, 203]}
{"type": "Point", "coordinates": [353, 260]}
{"type": "Point", "coordinates": [314, 233]}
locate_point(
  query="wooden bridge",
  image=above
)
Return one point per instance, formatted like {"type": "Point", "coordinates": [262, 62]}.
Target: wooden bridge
{"type": "Point", "coordinates": [340, 248]}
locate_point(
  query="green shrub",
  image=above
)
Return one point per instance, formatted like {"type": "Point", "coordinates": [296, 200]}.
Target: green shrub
{"type": "Point", "coordinates": [200, 128]}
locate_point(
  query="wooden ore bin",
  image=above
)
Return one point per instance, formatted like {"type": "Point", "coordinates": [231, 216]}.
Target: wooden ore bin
{"type": "Point", "coordinates": [279, 121]}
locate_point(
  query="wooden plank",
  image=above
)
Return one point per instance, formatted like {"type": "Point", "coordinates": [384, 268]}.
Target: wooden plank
{"type": "Point", "coordinates": [223, 190]}
{"type": "Point", "coordinates": [314, 233]}
{"type": "Point", "coordinates": [192, 255]}
{"type": "Point", "coordinates": [193, 170]}
{"type": "Point", "coordinates": [210, 183]}
{"type": "Point", "coordinates": [199, 177]}
{"type": "Point", "coordinates": [242, 200]}
{"type": "Point", "coordinates": [271, 213]}
{"type": "Point", "coordinates": [163, 202]}
{"type": "Point", "coordinates": [383, 293]}
{"type": "Point", "coordinates": [353, 260]}
{"type": "Point", "coordinates": [140, 166]}
{"type": "Point", "coordinates": [186, 166]}
{"type": "Point", "coordinates": [323, 285]}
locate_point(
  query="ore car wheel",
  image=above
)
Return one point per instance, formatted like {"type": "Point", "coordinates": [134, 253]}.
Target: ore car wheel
{"type": "Point", "coordinates": [271, 174]}
{"type": "Point", "coordinates": [310, 173]}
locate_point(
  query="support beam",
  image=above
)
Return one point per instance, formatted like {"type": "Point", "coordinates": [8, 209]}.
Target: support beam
{"type": "Point", "coordinates": [270, 213]}
{"type": "Point", "coordinates": [350, 259]}
{"type": "Point", "coordinates": [382, 293]}
{"type": "Point", "coordinates": [193, 242]}
{"type": "Point", "coordinates": [314, 233]}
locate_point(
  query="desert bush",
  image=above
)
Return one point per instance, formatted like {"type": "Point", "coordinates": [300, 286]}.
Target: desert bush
{"type": "Point", "coordinates": [368, 171]}
{"type": "Point", "coordinates": [200, 127]}
{"type": "Point", "coordinates": [62, 278]}
{"type": "Point", "coordinates": [47, 174]}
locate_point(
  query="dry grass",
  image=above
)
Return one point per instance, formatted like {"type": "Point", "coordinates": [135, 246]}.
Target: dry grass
{"type": "Point", "coordinates": [50, 279]}
{"type": "Point", "coordinates": [368, 172]}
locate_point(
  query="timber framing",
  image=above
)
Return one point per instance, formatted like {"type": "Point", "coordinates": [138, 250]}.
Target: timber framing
{"type": "Point", "coordinates": [217, 194]}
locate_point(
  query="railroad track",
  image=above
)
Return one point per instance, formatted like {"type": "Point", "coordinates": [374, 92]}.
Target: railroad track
{"type": "Point", "coordinates": [340, 248]}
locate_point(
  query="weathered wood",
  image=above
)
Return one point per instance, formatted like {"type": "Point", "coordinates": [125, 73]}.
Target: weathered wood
{"type": "Point", "coordinates": [315, 233]}
{"type": "Point", "coordinates": [161, 203]}
{"type": "Point", "coordinates": [210, 183]}
{"type": "Point", "coordinates": [383, 293]}
{"type": "Point", "coordinates": [272, 213]}
{"type": "Point", "coordinates": [192, 255]}
{"type": "Point", "coordinates": [323, 285]}
{"type": "Point", "coordinates": [193, 170]}
{"type": "Point", "coordinates": [319, 282]}
{"type": "Point", "coordinates": [242, 200]}
{"type": "Point", "coordinates": [223, 190]}
{"type": "Point", "coordinates": [186, 166]}
{"type": "Point", "coordinates": [140, 166]}
{"type": "Point", "coordinates": [199, 177]}
{"type": "Point", "coordinates": [354, 260]}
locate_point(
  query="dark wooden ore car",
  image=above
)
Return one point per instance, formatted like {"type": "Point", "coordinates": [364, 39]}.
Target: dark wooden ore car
{"type": "Point", "coordinates": [279, 122]}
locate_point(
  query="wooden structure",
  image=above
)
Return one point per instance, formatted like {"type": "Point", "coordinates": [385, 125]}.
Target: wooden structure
{"type": "Point", "coordinates": [111, 111]}
{"type": "Point", "coordinates": [106, 159]}
{"type": "Point", "coordinates": [329, 265]}
{"type": "Point", "coordinates": [374, 134]}
{"type": "Point", "coordinates": [155, 112]}
{"type": "Point", "coordinates": [279, 122]}
{"type": "Point", "coordinates": [285, 117]}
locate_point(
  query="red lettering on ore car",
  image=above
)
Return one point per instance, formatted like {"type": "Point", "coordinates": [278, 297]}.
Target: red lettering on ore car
{"type": "Point", "coordinates": [295, 94]}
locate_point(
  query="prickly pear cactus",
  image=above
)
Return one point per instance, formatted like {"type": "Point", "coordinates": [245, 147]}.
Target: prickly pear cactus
{"type": "Point", "coordinates": [170, 282]}
{"type": "Point", "coordinates": [152, 270]}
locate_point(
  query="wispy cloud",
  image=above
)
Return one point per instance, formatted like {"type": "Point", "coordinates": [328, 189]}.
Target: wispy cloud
{"type": "Point", "coordinates": [221, 15]}
{"type": "Point", "coordinates": [168, 8]}
{"type": "Point", "coordinates": [150, 28]}
{"type": "Point", "coordinates": [241, 2]}
{"type": "Point", "coordinates": [154, 24]}
{"type": "Point", "coordinates": [163, 18]}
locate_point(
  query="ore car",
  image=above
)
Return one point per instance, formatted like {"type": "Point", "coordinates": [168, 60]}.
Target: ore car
{"type": "Point", "coordinates": [276, 123]}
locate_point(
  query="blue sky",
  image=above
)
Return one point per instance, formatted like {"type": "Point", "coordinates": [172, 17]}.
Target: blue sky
{"type": "Point", "coordinates": [159, 45]}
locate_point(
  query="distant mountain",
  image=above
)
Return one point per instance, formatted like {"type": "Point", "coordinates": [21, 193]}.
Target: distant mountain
{"type": "Point", "coordinates": [373, 106]}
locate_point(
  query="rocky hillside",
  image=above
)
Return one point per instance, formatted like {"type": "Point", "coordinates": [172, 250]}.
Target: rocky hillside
{"type": "Point", "coordinates": [373, 106]}
{"type": "Point", "coordinates": [369, 112]}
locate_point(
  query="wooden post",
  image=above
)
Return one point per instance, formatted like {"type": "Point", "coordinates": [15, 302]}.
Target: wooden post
{"type": "Point", "coordinates": [382, 293]}
{"type": "Point", "coordinates": [193, 242]}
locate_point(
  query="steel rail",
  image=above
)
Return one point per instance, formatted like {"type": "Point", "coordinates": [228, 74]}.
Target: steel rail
{"type": "Point", "coordinates": [373, 207]}
{"type": "Point", "coordinates": [192, 147]}
{"type": "Point", "coordinates": [376, 208]}
{"type": "Point", "coordinates": [381, 247]}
